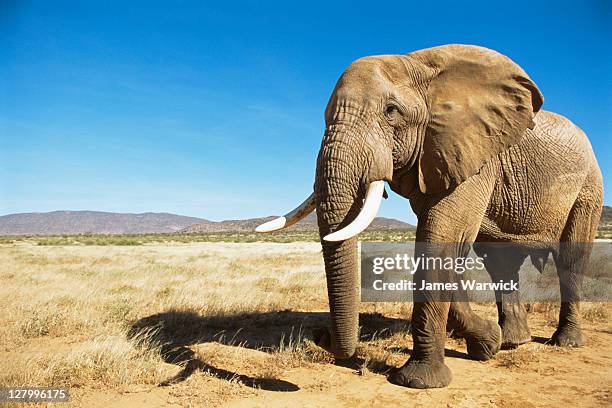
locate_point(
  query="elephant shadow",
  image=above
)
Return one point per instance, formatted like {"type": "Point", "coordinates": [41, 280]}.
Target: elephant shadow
{"type": "Point", "coordinates": [174, 331]}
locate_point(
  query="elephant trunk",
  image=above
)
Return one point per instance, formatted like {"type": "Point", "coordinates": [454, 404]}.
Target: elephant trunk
{"type": "Point", "coordinates": [343, 292]}
{"type": "Point", "coordinates": [337, 190]}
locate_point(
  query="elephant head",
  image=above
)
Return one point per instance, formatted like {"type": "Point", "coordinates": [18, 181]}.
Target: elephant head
{"type": "Point", "coordinates": [426, 120]}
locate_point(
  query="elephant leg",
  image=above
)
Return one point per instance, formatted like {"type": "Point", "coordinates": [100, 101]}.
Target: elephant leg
{"type": "Point", "coordinates": [483, 337]}
{"type": "Point", "coordinates": [504, 263]}
{"type": "Point", "coordinates": [572, 260]}
{"type": "Point", "coordinates": [447, 225]}
{"type": "Point", "coordinates": [426, 368]}
{"type": "Point", "coordinates": [512, 318]}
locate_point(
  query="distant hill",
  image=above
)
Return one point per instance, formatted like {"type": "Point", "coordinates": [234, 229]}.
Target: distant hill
{"type": "Point", "coordinates": [307, 224]}
{"type": "Point", "coordinates": [310, 224]}
{"type": "Point", "coordinates": [605, 223]}
{"type": "Point", "coordinates": [95, 222]}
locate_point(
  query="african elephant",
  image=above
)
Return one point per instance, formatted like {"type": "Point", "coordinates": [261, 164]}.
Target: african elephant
{"type": "Point", "coordinates": [457, 130]}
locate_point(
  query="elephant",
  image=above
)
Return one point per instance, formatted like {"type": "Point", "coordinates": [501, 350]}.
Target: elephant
{"type": "Point", "coordinates": [458, 131]}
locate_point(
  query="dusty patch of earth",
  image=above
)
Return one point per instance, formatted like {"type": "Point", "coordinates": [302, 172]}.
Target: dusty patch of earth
{"type": "Point", "coordinates": [534, 375]}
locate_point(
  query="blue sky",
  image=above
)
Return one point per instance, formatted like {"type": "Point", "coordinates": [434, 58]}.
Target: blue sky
{"type": "Point", "coordinates": [216, 110]}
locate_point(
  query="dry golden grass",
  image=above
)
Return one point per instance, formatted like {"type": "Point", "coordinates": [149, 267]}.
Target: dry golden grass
{"type": "Point", "coordinates": [106, 362]}
{"type": "Point", "coordinates": [116, 318]}
{"type": "Point", "coordinates": [595, 312]}
{"type": "Point", "coordinates": [68, 310]}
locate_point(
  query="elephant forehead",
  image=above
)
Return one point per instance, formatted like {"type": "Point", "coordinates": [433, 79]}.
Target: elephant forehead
{"type": "Point", "coordinates": [394, 69]}
{"type": "Point", "coordinates": [369, 80]}
{"type": "Point", "coordinates": [363, 77]}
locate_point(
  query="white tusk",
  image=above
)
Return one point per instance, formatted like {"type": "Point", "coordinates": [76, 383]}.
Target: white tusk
{"type": "Point", "coordinates": [291, 218]}
{"type": "Point", "coordinates": [367, 214]}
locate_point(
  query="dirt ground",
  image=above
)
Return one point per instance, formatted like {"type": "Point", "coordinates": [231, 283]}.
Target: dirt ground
{"type": "Point", "coordinates": [227, 324]}
{"type": "Point", "coordinates": [535, 375]}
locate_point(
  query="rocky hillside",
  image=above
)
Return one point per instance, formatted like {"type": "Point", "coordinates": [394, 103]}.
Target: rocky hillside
{"type": "Point", "coordinates": [307, 224]}
{"type": "Point", "coordinates": [605, 224]}
{"type": "Point", "coordinates": [95, 222]}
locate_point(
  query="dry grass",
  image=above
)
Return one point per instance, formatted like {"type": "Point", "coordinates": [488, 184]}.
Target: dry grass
{"type": "Point", "coordinates": [116, 317]}
{"type": "Point", "coordinates": [111, 316]}
{"type": "Point", "coordinates": [68, 310]}
{"type": "Point", "coordinates": [595, 312]}
{"type": "Point", "coordinates": [106, 362]}
{"type": "Point", "coordinates": [519, 358]}
{"type": "Point", "coordinates": [287, 236]}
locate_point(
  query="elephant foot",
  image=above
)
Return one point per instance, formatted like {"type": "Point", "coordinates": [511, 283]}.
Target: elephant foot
{"type": "Point", "coordinates": [485, 343]}
{"type": "Point", "coordinates": [422, 374]}
{"type": "Point", "coordinates": [567, 336]}
{"type": "Point", "coordinates": [515, 330]}
{"type": "Point", "coordinates": [323, 338]}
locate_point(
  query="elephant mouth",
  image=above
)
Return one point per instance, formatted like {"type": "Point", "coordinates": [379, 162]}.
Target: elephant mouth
{"type": "Point", "coordinates": [374, 196]}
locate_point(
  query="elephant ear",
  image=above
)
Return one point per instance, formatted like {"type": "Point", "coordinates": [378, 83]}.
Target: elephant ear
{"type": "Point", "coordinates": [480, 103]}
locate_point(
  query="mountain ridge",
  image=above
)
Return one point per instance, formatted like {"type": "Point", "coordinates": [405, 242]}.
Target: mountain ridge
{"type": "Point", "coordinates": [309, 223]}
{"type": "Point", "coordinates": [93, 222]}
{"type": "Point", "coordinates": [68, 222]}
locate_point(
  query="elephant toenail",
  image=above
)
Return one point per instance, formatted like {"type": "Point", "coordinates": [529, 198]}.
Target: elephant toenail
{"type": "Point", "coordinates": [416, 383]}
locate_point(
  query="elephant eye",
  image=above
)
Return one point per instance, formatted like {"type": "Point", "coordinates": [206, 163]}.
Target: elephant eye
{"type": "Point", "coordinates": [391, 110]}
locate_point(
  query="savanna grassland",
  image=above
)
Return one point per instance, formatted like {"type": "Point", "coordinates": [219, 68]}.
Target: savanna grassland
{"type": "Point", "coordinates": [171, 321]}
{"type": "Point", "coordinates": [238, 237]}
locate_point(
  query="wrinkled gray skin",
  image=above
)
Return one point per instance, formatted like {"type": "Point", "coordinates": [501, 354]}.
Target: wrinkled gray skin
{"type": "Point", "coordinates": [459, 132]}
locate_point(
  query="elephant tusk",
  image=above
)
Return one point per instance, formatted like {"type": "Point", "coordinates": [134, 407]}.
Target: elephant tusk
{"type": "Point", "coordinates": [367, 214]}
{"type": "Point", "coordinates": [291, 218]}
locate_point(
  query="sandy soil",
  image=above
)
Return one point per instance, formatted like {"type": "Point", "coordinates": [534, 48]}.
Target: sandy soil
{"type": "Point", "coordinates": [535, 375]}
